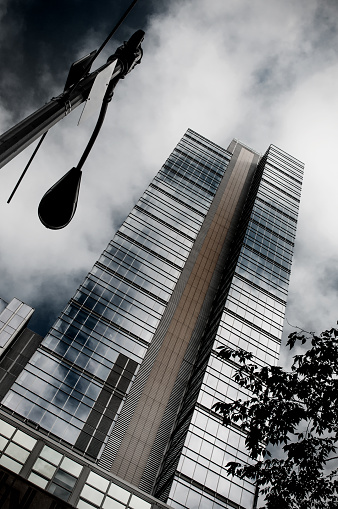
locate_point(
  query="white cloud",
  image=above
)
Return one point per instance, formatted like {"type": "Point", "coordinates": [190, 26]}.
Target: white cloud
{"type": "Point", "coordinates": [263, 72]}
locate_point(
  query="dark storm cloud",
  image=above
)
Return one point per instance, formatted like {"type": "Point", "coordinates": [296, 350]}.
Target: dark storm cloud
{"type": "Point", "coordinates": [40, 40]}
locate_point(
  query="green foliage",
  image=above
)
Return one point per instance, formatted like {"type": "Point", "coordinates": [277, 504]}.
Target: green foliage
{"type": "Point", "coordinates": [296, 411]}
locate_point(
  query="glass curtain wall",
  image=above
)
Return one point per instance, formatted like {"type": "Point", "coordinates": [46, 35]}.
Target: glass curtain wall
{"type": "Point", "coordinates": [251, 319]}
{"type": "Point", "coordinates": [77, 381]}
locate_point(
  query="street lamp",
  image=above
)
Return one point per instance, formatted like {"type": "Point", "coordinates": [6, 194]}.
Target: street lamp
{"type": "Point", "coordinates": [58, 205]}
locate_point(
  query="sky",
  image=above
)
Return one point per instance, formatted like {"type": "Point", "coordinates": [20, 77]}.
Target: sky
{"type": "Point", "coordinates": [261, 71]}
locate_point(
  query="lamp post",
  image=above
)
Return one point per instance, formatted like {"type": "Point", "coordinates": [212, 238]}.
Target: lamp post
{"type": "Point", "coordinates": [63, 195]}
{"type": "Point", "coordinates": [16, 139]}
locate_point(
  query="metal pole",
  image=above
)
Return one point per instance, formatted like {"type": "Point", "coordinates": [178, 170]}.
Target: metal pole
{"type": "Point", "coordinates": [25, 132]}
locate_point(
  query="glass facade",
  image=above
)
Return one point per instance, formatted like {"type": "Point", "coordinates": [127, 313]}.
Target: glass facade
{"type": "Point", "coordinates": [125, 327]}
{"type": "Point", "coordinates": [76, 383]}
{"type": "Point", "coordinates": [13, 318]}
{"type": "Point", "coordinates": [51, 468]}
{"type": "Point", "coordinates": [251, 319]}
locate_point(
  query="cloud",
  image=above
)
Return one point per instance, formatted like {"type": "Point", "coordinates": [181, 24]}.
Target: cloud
{"type": "Point", "coordinates": [263, 72]}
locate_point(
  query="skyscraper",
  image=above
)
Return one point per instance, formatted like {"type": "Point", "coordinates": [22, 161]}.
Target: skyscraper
{"type": "Point", "coordinates": [125, 380]}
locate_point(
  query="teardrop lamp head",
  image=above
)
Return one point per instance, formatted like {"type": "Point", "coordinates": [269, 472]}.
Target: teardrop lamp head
{"type": "Point", "coordinates": [58, 205]}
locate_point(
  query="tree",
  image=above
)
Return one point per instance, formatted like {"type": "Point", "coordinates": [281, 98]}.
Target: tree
{"type": "Point", "coordinates": [294, 412]}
